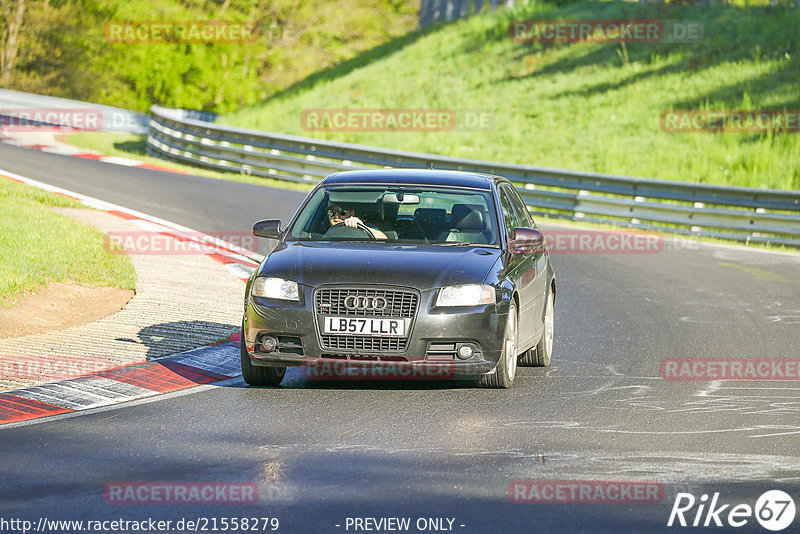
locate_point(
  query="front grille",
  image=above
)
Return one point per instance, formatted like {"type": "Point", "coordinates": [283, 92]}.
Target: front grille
{"type": "Point", "coordinates": [365, 357]}
{"type": "Point", "coordinates": [399, 303]}
{"type": "Point", "coordinates": [364, 344]}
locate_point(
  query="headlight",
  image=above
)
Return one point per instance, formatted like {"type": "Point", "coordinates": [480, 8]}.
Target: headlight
{"type": "Point", "coordinates": [466, 295]}
{"type": "Point", "coordinates": [274, 288]}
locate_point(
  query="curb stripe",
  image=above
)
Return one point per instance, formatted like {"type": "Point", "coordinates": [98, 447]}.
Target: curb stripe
{"type": "Point", "coordinates": [114, 160]}
{"type": "Point", "coordinates": [188, 370]}
{"type": "Point", "coordinates": [162, 377]}
{"type": "Point", "coordinates": [14, 409]}
{"type": "Point", "coordinates": [232, 339]}
{"type": "Point", "coordinates": [110, 389]}
{"type": "Point", "coordinates": [227, 260]}
{"type": "Point", "coordinates": [114, 386]}
{"type": "Point", "coordinates": [61, 394]}
{"type": "Point", "coordinates": [123, 215]}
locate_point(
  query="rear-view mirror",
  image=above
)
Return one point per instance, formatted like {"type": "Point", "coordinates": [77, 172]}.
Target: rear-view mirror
{"type": "Point", "coordinates": [400, 198]}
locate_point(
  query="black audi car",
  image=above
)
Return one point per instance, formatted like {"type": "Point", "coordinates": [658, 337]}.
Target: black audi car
{"type": "Point", "coordinates": [402, 274]}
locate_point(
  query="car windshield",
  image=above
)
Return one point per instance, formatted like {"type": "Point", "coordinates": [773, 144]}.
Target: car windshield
{"type": "Point", "coordinates": [405, 215]}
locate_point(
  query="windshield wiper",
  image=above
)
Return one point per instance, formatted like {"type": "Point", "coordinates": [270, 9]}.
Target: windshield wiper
{"type": "Point", "coordinates": [455, 244]}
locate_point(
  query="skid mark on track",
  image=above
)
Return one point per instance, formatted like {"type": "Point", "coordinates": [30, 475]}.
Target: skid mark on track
{"type": "Point", "coordinates": [784, 319]}
{"type": "Point", "coordinates": [761, 431]}
{"type": "Point", "coordinates": [537, 425]}
{"type": "Point", "coordinates": [754, 410]}
{"type": "Point", "coordinates": [674, 467]}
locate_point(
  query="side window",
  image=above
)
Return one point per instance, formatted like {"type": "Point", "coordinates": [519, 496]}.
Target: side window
{"type": "Point", "coordinates": [509, 215]}
{"type": "Point", "coordinates": [521, 211]}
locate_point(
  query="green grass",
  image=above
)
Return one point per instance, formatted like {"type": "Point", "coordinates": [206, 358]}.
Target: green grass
{"type": "Point", "coordinates": [133, 146]}
{"type": "Point", "coordinates": [38, 246]}
{"type": "Point", "coordinates": [64, 49]}
{"type": "Point", "coordinates": [591, 107]}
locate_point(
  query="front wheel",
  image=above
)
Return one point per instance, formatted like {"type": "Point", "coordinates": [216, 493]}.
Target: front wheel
{"type": "Point", "coordinates": [506, 368]}
{"type": "Point", "coordinates": [256, 375]}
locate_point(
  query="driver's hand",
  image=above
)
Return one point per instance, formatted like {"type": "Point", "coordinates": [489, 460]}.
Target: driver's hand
{"type": "Point", "coordinates": [352, 222]}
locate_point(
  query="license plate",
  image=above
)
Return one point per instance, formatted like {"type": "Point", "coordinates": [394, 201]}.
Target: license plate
{"type": "Point", "coordinates": [364, 326]}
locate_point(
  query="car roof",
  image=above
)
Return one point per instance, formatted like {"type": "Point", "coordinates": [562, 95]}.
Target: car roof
{"type": "Point", "coordinates": [472, 180]}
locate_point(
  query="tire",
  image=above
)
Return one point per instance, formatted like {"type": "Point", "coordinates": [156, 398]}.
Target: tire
{"type": "Point", "coordinates": [539, 356]}
{"type": "Point", "coordinates": [257, 375]}
{"type": "Point", "coordinates": [506, 368]}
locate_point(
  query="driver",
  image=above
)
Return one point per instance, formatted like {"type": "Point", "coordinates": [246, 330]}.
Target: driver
{"type": "Point", "coordinates": [338, 214]}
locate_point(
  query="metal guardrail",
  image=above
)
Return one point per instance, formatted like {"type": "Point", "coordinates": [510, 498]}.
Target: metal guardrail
{"type": "Point", "coordinates": [436, 11]}
{"type": "Point", "coordinates": [738, 213]}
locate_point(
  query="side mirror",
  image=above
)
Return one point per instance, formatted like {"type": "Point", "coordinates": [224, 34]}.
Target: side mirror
{"type": "Point", "coordinates": [269, 228]}
{"type": "Point", "coordinates": [526, 241]}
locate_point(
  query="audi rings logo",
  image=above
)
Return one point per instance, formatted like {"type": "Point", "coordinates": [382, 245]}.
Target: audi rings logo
{"type": "Point", "coordinates": [365, 303]}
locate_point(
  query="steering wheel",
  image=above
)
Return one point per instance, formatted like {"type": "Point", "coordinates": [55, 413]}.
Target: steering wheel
{"type": "Point", "coordinates": [342, 230]}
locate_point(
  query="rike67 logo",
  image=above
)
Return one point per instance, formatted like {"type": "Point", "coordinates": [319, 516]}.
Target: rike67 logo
{"type": "Point", "coordinates": [774, 510]}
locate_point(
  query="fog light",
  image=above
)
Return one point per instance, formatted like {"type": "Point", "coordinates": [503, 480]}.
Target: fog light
{"type": "Point", "coordinates": [269, 343]}
{"type": "Point", "coordinates": [465, 352]}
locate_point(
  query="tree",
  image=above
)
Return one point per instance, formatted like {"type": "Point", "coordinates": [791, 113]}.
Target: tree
{"type": "Point", "coordinates": [12, 17]}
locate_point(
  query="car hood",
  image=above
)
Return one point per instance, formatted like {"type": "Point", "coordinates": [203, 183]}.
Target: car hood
{"type": "Point", "coordinates": [419, 266]}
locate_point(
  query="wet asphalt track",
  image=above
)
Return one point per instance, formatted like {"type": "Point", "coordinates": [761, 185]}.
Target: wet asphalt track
{"type": "Point", "coordinates": [330, 451]}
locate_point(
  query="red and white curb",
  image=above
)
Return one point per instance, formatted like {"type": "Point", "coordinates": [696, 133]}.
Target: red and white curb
{"type": "Point", "coordinates": [200, 366]}
{"type": "Point", "coordinates": [77, 153]}
{"type": "Point", "coordinates": [204, 365]}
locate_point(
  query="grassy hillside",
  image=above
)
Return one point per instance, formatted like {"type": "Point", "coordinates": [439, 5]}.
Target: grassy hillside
{"type": "Point", "coordinates": [593, 107]}
{"type": "Point", "coordinates": [64, 48]}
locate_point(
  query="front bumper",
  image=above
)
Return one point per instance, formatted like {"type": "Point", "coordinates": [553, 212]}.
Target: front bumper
{"type": "Point", "coordinates": [425, 356]}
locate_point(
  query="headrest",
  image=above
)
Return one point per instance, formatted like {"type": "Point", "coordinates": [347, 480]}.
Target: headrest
{"type": "Point", "coordinates": [468, 217]}
{"type": "Point", "coordinates": [434, 215]}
